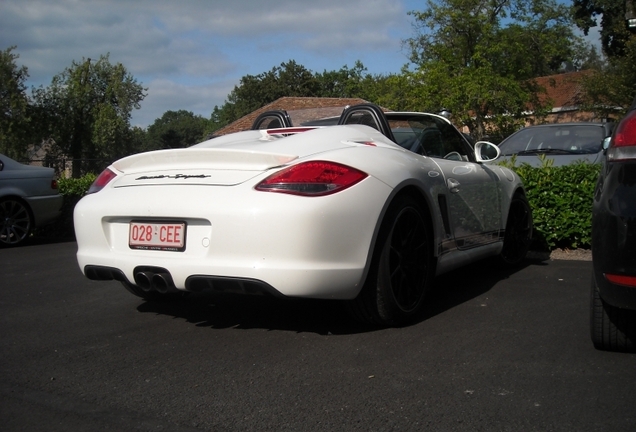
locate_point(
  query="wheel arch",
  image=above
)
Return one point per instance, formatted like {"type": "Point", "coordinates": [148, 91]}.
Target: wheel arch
{"type": "Point", "coordinates": [29, 211]}
{"type": "Point", "coordinates": [21, 200]}
{"type": "Point", "coordinates": [433, 223]}
{"type": "Point", "coordinates": [505, 210]}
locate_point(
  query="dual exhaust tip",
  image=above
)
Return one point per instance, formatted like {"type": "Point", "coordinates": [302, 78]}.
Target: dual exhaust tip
{"type": "Point", "coordinates": [154, 280]}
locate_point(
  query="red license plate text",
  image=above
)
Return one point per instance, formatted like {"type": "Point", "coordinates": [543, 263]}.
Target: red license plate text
{"type": "Point", "coordinates": [157, 236]}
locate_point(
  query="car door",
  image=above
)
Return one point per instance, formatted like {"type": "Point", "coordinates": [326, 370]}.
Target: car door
{"type": "Point", "coordinates": [472, 192]}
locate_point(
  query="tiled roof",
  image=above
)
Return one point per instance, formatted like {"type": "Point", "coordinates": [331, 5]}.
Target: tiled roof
{"type": "Point", "coordinates": [318, 107]}
{"type": "Point", "coordinates": [563, 90]}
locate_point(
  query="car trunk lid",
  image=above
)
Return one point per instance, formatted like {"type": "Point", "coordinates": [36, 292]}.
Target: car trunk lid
{"type": "Point", "coordinates": [236, 158]}
{"type": "Point", "coordinates": [204, 166]}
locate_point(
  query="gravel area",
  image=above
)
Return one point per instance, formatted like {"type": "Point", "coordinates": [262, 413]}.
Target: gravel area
{"type": "Point", "coordinates": [562, 254]}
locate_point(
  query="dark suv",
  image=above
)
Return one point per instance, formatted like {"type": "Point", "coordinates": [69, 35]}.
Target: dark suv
{"type": "Point", "coordinates": [613, 306]}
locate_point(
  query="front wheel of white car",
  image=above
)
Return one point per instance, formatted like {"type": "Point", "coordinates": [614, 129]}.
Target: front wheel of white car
{"type": "Point", "coordinates": [401, 268]}
{"type": "Point", "coordinates": [518, 235]}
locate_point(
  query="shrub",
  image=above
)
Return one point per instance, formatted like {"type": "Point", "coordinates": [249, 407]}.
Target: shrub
{"type": "Point", "coordinates": [76, 187]}
{"type": "Point", "coordinates": [561, 199]}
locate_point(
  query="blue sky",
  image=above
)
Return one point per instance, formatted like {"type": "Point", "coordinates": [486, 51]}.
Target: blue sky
{"type": "Point", "coordinates": [191, 53]}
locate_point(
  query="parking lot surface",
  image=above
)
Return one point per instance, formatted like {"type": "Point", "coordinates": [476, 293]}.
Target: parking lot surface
{"type": "Point", "coordinates": [496, 350]}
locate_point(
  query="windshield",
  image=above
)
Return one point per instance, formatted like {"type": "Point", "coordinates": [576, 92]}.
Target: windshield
{"type": "Point", "coordinates": [567, 139]}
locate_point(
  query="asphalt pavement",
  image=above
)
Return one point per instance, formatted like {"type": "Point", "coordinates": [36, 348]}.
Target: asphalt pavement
{"type": "Point", "coordinates": [495, 350]}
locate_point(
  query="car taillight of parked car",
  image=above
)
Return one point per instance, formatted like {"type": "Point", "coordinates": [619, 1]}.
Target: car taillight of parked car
{"type": "Point", "coordinates": [54, 184]}
{"type": "Point", "coordinates": [102, 180]}
{"type": "Point", "coordinates": [623, 145]}
{"type": "Point", "coordinates": [315, 178]}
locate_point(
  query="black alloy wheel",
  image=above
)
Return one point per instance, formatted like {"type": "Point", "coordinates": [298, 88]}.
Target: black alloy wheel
{"type": "Point", "coordinates": [16, 222]}
{"type": "Point", "coordinates": [402, 267]}
{"type": "Point", "coordinates": [403, 262]}
{"type": "Point", "coordinates": [518, 235]}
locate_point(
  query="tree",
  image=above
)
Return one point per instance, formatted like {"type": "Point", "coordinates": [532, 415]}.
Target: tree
{"type": "Point", "coordinates": [343, 83]}
{"type": "Point", "coordinates": [176, 129]}
{"type": "Point", "coordinates": [289, 79]}
{"type": "Point", "coordinates": [14, 106]}
{"type": "Point", "coordinates": [253, 92]}
{"type": "Point", "coordinates": [615, 33]}
{"type": "Point", "coordinates": [88, 109]}
{"type": "Point", "coordinates": [611, 90]}
{"type": "Point", "coordinates": [478, 58]}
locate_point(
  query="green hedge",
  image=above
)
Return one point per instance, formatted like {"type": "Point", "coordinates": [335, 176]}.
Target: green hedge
{"type": "Point", "coordinates": [561, 200]}
{"type": "Point", "coordinates": [560, 197]}
{"type": "Point", "coordinates": [70, 187]}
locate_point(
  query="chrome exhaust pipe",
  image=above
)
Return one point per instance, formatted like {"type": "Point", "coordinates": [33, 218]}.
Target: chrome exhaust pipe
{"type": "Point", "coordinates": [144, 280]}
{"type": "Point", "coordinates": [162, 282]}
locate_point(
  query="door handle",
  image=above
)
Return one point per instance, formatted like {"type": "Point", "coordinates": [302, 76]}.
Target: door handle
{"type": "Point", "coordinates": [453, 185]}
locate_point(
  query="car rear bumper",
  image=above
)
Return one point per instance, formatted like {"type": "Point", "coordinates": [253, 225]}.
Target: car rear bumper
{"type": "Point", "coordinates": [299, 246]}
{"type": "Point", "coordinates": [614, 232]}
{"type": "Point", "coordinates": [46, 209]}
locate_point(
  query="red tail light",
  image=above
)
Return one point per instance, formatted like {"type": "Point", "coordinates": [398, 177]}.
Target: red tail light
{"type": "Point", "coordinates": [315, 178]}
{"type": "Point", "coordinates": [54, 184]}
{"type": "Point", "coordinates": [625, 134]}
{"type": "Point", "coordinates": [102, 180]}
{"type": "Point", "coordinates": [629, 281]}
{"type": "Point", "coordinates": [623, 144]}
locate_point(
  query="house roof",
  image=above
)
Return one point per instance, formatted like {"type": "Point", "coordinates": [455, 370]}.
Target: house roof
{"type": "Point", "coordinates": [563, 91]}
{"type": "Point", "coordinates": [298, 108]}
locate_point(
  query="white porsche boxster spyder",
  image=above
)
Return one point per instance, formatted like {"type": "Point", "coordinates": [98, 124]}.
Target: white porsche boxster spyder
{"type": "Point", "coordinates": [369, 210]}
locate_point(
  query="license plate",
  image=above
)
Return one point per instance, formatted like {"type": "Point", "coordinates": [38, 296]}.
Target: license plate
{"type": "Point", "coordinates": [164, 236]}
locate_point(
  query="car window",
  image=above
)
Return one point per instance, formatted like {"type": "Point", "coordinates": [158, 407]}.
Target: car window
{"type": "Point", "coordinates": [430, 136]}
{"type": "Point", "coordinates": [570, 138]}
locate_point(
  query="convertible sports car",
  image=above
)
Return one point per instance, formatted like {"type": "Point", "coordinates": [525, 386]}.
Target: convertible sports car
{"type": "Point", "coordinates": [369, 211]}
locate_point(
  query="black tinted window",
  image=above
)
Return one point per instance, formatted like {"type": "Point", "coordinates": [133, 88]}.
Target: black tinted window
{"type": "Point", "coordinates": [430, 136]}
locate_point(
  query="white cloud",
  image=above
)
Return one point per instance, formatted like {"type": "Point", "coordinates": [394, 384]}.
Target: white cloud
{"type": "Point", "coordinates": [165, 95]}
{"type": "Point", "coordinates": [191, 53]}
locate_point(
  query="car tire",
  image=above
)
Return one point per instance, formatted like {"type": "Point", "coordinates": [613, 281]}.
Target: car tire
{"type": "Point", "coordinates": [16, 222]}
{"type": "Point", "coordinates": [518, 234]}
{"type": "Point", "coordinates": [612, 328]}
{"type": "Point", "coordinates": [402, 267]}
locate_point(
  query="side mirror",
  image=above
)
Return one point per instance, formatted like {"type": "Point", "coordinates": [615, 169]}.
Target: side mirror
{"type": "Point", "coordinates": [486, 151]}
{"type": "Point", "coordinates": [606, 142]}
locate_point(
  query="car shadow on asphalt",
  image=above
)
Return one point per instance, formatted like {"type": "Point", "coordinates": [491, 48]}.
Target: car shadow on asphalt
{"type": "Point", "coordinates": [469, 282]}
{"type": "Point", "coordinates": [324, 317]}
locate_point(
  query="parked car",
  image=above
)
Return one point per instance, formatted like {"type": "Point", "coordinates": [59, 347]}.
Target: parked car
{"type": "Point", "coordinates": [564, 143]}
{"type": "Point", "coordinates": [613, 305]}
{"type": "Point", "coordinates": [337, 212]}
{"type": "Point", "coordinates": [29, 198]}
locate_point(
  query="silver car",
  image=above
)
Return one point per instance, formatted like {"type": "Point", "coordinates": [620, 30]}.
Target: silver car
{"type": "Point", "coordinates": [564, 143]}
{"type": "Point", "coordinates": [29, 198]}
